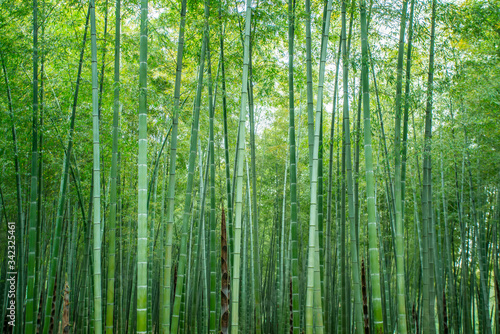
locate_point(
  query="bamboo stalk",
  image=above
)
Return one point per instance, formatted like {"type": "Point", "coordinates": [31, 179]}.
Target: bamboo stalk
{"type": "Point", "coordinates": [33, 223]}
{"type": "Point", "coordinates": [114, 177]}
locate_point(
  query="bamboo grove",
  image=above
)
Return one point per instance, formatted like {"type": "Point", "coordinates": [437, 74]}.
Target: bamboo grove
{"type": "Point", "coordinates": [239, 166]}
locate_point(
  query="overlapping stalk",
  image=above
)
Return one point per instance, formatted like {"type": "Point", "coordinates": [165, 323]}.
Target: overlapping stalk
{"type": "Point", "coordinates": [293, 176]}
{"type": "Point", "coordinates": [313, 291]}
{"type": "Point", "coordinates": [370, 184]}
{"type": "Point", "coordinates": [62, 192]}
{"type": "Point", "coordinates": [167, 274]}
{"type": "Point", "coordinates": [428, 297]}
{"type": "Point", "coordinates": [400, 270]}
{"type": "Point", "coordinates": [235, 272]}
{"type": "Point", "coordinates": [189, 188]}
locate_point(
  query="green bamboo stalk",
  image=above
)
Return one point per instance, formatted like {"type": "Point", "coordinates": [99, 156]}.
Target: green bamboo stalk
{"type": "Point", "coordinates": [407, 106]}
{"type": "Point", "coordinates": [347, 164]}
{"type": "Point", "coordinates": [330, 268]}
{"type": "Point", "coordinates": [293, 175]}
{"type": "Point", "coordinates": [357, 138]}
{"type": "Point", "coordinates": [320, 210]}
{"type": "Point", "coordinates": [142, 223]}
{"type": "Point", "coordinates": [227, 163]}
{"type": "Point", "coordinates": [406, 112]}
{"type": "Point", "coordinates": [121, 245]}
{"type": "Point", "coordinates": [32, 234]}
{"type": "Point", "coordinates": [239, 179]}
{"type": "Point", "coordinates": [256, 256]}
{"type": "Point", "coordinates": [151, 237]}
{"type": "Point", "coordinates": [40, 186]}
{"type": "Point", "coordinates": [255, 326]}
{"type": "Point", "coordinates": [400, 270]}
{"type": "Point", "coordinates": [187, 202]}
{"type": "Point", "coordinates": [114, 175]}
{"type": "Point", "coordinates": [96, 177]}
{"type": "Point", "coordinates": [244, 271]}
{"type": "Point", "coordinates": [428, 272]}
{"type": "Point", "coordinates": [387, 165]}
{"type": "Point", "coordinates": [280, 305]}
{"type": "Point", "coordinates": [213, 223]}
{"type": "Point", "coordinates": [313, 275]}
{"type": "Point", "coordinates": [224, 322]}
{"type": "Point", "coordinates": [370, 192]}
{"type": "Point", "coordinates": [310, 97]}
{"type": "Point", "coordinates": [342, 188]}
{"type": "Point", "coordinates": [72, 256]}
{"type": "Point", "coordinates": [166, 308]}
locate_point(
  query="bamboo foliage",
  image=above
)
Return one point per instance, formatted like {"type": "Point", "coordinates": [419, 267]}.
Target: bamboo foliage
{"type": "Point", "coordinates": [54, 250]}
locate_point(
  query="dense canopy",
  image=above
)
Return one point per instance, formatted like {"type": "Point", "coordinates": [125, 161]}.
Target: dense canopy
{"type": "Point", "coordinates": [250, 166]}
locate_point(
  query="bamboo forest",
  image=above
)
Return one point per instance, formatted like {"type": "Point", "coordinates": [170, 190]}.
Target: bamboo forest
{"type": "Point", "coordinates": [250, 166]}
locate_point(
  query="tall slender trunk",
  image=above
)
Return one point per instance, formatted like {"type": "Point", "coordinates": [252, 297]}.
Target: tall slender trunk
{"type": "Point", "coordinates": [370, 184]}
{"type": "Point", "coordinates": [166, 307]}
{"type": "Point", "coordinates": [96, 177]}
{"type": "Point", "coordinates": [428, 267]}
{"type": "Point", "coordinates": [239, 178]}
{"type": "Point", "coordinates": [293, 176]}
{"type": "Point", "coordinates": [406, 106]}
{"type": "Point", "coordinates": [342, 189]}
{"type": "Point", "coordinates": [329, 272]}
{"type": "Point", "coordinates": [32, 235]}
{"type": "Point", "coordinates": [314, 310]}
{"type": "Point", "coordinates": [400, 270]}
{"type": "Point", "coordinates": [187, 202]}
{"type": "Point", "coordinates": [227, 163]}
{"type": "Point", "coordinates": [110, 299]}
{"type": "Point", "coordinates": [212, 240]}
{"type": "Point", "coordinates": [142, 170]}
{"type": "Point", "coordinates": [310, 97]}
